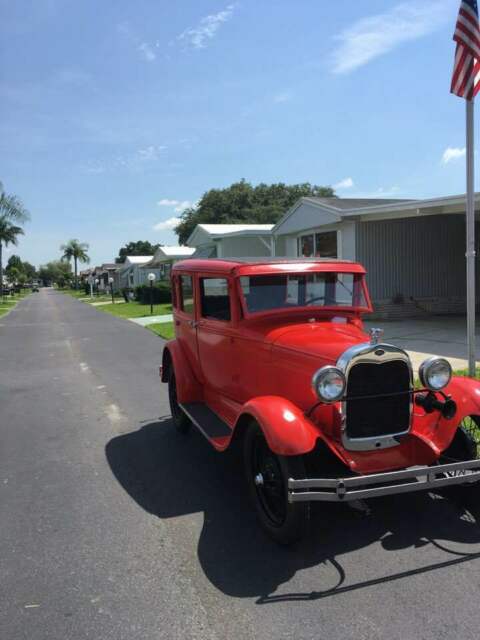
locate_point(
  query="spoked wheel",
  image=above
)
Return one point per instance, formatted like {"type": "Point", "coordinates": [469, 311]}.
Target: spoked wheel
{"type": "Point", "coordinates": [180, 419]}
{"type": "Point", "coordinates": [465, 446]}
{"type": "Point", "coordinates": [267, 478]}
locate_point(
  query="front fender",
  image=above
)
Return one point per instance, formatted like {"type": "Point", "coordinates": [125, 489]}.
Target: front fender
{"type": "Point", "coordinates": [438, 432]}
{"type": "Point", "coordinates": [286, 429]}
{"type": "Point", "coordinates": [188, 387]}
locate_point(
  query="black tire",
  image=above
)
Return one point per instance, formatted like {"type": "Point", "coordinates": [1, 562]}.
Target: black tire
{"type": "Point", "coordinates": [284, 522]}
{"type": "Point", "coordinates": [465, 446]}
{"type": "Point", "coordinates": [180, 419]}
{"type": "Point", "coordinates": [466, 441]}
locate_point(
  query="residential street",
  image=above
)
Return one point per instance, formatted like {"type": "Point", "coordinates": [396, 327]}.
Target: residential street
{"type": "Point", "coordinates": [114, 526]}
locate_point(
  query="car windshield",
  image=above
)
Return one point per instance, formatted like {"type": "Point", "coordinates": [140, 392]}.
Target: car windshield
{"type": "Point", "coordinates": [268, 292]}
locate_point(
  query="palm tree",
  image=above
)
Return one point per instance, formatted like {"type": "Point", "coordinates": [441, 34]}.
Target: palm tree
{"type": "Point", "coordinates": [76, 250]}
{"type": "Point", "coordinates": [11, 210]}
{"type": "Point", "coordinates": [8, 235]}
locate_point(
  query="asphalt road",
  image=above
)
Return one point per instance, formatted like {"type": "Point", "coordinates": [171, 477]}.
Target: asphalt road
{"type": "Point", "coordinates": [113, 526]}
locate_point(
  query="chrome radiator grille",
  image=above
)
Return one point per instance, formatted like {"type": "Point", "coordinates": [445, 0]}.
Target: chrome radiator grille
{"type": "Point", "coordinates": [379, 416]}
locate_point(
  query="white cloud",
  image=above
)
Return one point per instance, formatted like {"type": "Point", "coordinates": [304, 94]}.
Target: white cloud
{"type": "Point", "coordinates": [185, 204]}
{"type": "Point", "coordinates": [197, 37]}
{"type": "Point", "coordinates": [179, 205]}
{"type": "Point", "coordinates": [150, 153]}
{"type": "Point", "coordinates": [346, 183]}
{"type": "Point", "coordinates": [165, 202]}
{"type": "Point", "coordinates": [147, 51]}
{"type": "Point", "coordinates": [165, 225]}
{"type": "Point", "coordinates": [282, 97]}
{"type": "Point", "coordinates": [453, 153]}
{"type": "Point", "coordinates": [378, 34]}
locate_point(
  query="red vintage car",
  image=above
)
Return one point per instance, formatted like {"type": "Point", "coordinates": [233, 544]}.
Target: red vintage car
{"type": "Point", "coordinates": [273, 354]}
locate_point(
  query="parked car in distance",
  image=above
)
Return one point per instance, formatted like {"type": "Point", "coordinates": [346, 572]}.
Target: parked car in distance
{"type": "Point", "coordinates": [273, 355]}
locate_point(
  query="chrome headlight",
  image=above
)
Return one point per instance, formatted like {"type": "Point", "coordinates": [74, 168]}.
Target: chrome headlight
{"type": "Point", "coordinates": [435, 373]}
{"type": "Point", "coordinates": [329, 383]}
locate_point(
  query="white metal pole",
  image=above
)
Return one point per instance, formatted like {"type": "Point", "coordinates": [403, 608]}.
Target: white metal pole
{"type": "Point", "coordinates": [470, 232]}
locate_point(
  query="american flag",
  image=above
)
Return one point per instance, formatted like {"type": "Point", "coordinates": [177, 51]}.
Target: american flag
{"type": "Point", "coordinates": [466, 70]}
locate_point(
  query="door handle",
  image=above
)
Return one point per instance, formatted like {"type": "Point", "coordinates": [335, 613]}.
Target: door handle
{"type": "Point", "coordinates": [193, 324]}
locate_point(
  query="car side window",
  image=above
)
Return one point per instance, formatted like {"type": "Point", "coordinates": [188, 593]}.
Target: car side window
{"type": "Point", "coordinates": [215, 299]}
{"type": "Point", "coordinates": [174, 293]}
{"type": "Point", "coordinates": [186, 295]}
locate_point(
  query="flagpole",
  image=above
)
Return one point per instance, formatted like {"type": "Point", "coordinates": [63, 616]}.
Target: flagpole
{"type": "Point", "coordinates": [470, 233]}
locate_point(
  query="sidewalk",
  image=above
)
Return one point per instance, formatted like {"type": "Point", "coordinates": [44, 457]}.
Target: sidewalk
{"type": "Point", "coordinates": [152, 320]}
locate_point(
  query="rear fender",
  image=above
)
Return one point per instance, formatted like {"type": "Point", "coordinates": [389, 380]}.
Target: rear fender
{"type": "Point", "coordinates": [188, 387]}
{"type": "Point", "coordinates": [286, 429]}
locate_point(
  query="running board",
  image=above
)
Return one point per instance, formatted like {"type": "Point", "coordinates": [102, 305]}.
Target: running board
{"type": "Point", "coordinates": [206, 420]}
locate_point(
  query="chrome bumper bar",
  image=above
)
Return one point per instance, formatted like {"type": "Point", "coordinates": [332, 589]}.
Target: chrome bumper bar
{"type": "Point", "coordinates": [382, 484]}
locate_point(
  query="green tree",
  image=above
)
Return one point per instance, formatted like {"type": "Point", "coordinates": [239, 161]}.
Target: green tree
{"type": "Point", "coordinates": [13, 274]}
{"type": "Point", "coordinates": [8, 235]}
{"type": "Point", "coordinates": [11, 210]}
{"type": "Point", "coordinates": [29, 270]}
{"type": "Point", "coordinates": [56, 271]}
{"type": "Point", "coordinates": [138, 248]}
{"type": "Point", "coordinates": [76, 250]}
{"type": "Point", "coordinates": [25, 268]}
{"type": "Point", "coordinates": [243, 203]}
{"type": "Point", "coordinates": [14, 262]}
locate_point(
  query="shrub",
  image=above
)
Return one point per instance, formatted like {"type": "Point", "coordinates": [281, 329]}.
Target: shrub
{"type": "Point", "coordinates": [161, 293]}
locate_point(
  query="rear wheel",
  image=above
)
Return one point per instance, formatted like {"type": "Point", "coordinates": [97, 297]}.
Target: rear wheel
{"type": "Point", "coordinates": [267, 479]}
{"type": "Point", "coordinates": [180, 419]}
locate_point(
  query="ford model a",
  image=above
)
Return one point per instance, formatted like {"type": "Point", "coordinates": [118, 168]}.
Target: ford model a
{"type": "Point", "coordinates": [273, 355]}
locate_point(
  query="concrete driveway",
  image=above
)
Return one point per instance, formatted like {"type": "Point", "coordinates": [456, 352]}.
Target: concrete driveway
{"type": "Point", "coordinates": [440, 335]}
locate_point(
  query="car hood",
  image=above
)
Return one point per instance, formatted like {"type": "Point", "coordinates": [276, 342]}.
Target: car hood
{"type": "Point", "coordinates": [325, 340]}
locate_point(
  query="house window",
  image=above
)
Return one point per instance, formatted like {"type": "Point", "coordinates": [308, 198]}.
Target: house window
{"type": "Point", "coordinates": [306, 246]}
{"type": "Point", "coordinates": [318, 245]}
{"type": "Point", "coordinates": [186, 294]}
{"type": "Point", "coordinates": [214, 298]}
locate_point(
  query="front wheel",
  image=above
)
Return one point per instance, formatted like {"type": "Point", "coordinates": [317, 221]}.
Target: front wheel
{"type": "Point", "coordinates": [180, 419]}
{"type": "Point", "coordinates": [267, 479]}
{"type": "Point", "coordinates": [465, 446]}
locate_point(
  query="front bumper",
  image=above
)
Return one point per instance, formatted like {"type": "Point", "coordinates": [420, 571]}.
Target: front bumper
{"type": "Point", "coordinates": [382, 484]}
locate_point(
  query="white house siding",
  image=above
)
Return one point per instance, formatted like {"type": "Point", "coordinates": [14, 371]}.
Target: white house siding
{"type": "Point", "coordinates": [286, 245]}
{"type": "Point", "coordinates": [414, 264]}
{"type": "Point", "coordinates": [243, 247]}
{"type": "Point", "coordinates": [307, 216]}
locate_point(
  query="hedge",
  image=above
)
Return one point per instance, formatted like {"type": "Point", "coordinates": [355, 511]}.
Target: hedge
{"type": "Point", "coordinates": [161, 293]}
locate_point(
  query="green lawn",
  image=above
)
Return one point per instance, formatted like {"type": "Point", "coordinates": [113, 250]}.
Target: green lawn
{"type": "Point", "coordinates": [80, 294]}
{"type": "Point", "coordinates": [135, 310]}
{"type": "Point", "coordinates": [163, 329]}
{"type": "Point", "coordinates": [464, 372]}
{"type": "Point", "coordinates": [9, 302]}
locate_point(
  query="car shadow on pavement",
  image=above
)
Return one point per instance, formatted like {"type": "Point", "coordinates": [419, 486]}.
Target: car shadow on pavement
{"type": "Point", "coordinates": [170, 475]}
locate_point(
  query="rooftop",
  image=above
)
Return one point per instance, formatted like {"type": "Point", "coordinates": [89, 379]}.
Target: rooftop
{"type": "Point", "coordinates": [138, 259]}
{"type": "Point", "coordinates": [170, 250]}
{"type": "Point", "coordinates": [344, 204]}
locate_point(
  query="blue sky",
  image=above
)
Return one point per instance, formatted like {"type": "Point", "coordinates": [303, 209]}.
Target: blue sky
{"type": "Point", "coordinates": [115, 115]}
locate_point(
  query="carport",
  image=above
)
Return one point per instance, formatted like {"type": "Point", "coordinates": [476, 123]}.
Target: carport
{"type": "Point", "coordinates": [413, 250]}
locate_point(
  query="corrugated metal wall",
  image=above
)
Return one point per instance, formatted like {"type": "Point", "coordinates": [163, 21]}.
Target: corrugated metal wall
{"type": "Point", "coordinates": [418, 257]}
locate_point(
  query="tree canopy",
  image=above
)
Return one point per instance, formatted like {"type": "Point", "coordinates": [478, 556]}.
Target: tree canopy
{"type": "Point", "coordinates": [16, 266]}
{"type": "Point", "coordinates": [138, 248]}
{"type": "Point", "coordinates": [57, 271]}
{"type": "Point", "coordinates": [243, 203]}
